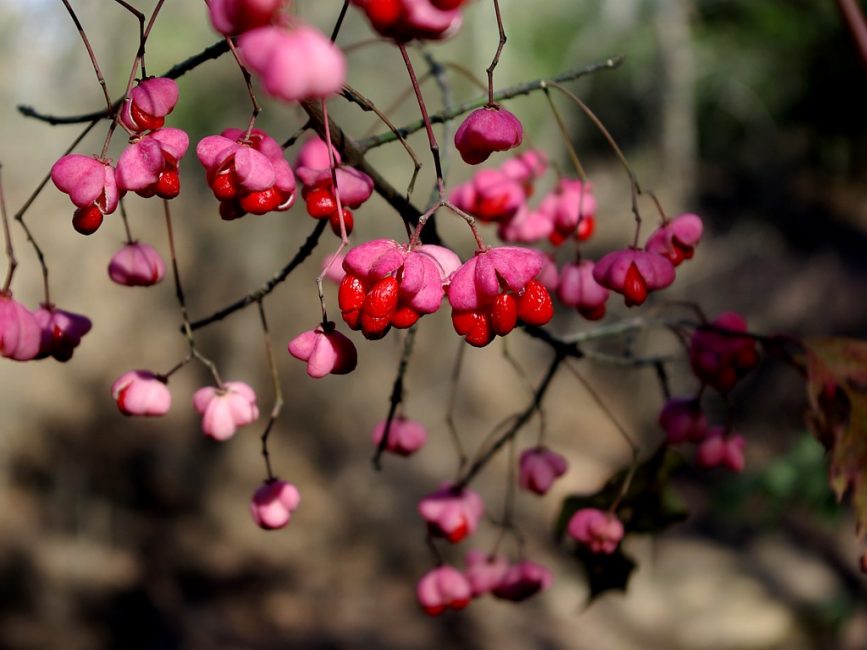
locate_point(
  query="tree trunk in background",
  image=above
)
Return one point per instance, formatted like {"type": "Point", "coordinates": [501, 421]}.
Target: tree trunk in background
{"type": "Point", "coordinates": [679, 132]}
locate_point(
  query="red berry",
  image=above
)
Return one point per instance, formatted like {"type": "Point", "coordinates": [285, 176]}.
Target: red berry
{"type": "Point", "coordinates": [405, 317]}
{"type": "Point", "coordinates": [145, 121]}
{"type": "Point", "coordinates": [592, 313]}
{"type": "Point", "coordinates": [87, 220]}
{"type": "Point", "coordinates": [556, 237]}
{"type": "Point", "coordinates": [351, 294]}
{"type": "Point", "coordinates": [383, 13]}
{"type": "Point", "coordinates": [261, 202]}
{"type": "Point", "coordinates": [474, 325]}
{"type": "Point", "coordinates": [381, 300]}
{"type": "Point", "coordinates": [230, 210]}
{"type": "Point", "coordinates": [225, 186]}
{"type": "Point", "coordinates": [321, 203]}
{"type": "Point", "coordinates": [374, 328]}
{"type": "Point", "coordinates": [586, 226]}
{"type": "Point", "coordinates": [168, 185]}
{"type": "Point", "coordinates": [446, 5]}
{"type": "Point", "coordinates": [534, 305]}
{"type": "Point", "coordinates": [504, 314]}
{"type": "Point", "coordinates": [634, 286]}
{"type": "Point", "coordinates": [348, 222]}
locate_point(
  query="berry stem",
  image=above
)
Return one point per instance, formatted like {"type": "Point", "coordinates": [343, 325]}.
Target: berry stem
{"type": "Point", "coordinates": [432, 141]}
{"type": "Point", "coordinates": [248, 81]}
{"type": "Point", "coordinates": [90, 53]}
{"type": "Point", "coordinates": [396, 395]}
{"type": "Point", "coordinates": [471, 222]}
{"type": "Point", "coordinates": [339, 23]}
{"type": "Point", "coordinates": [125, 218]}
{"type": "Point", "coordinates": [141, 32]}
{"type": "Point", "coordinates": [278, 392]}
{"type": "Point", "coordinates": [519, 421]}
{"type": "Point", "coordinates": [303, 253]}
{"type": "Point", "coordinates": [367, 105]}
{"type": "Point", "coordinates": [450, 410]}
{"type": "Point", "coordinates": [10, 249]}
{"type": "Point", "coordinates": [496, 60]}
{"type": "Point", "coordinates": [179, 293]}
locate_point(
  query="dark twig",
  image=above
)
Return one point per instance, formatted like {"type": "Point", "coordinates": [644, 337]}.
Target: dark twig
{"type": "Point", "coordinates": [278, 392]}
{"type": "Point", "coordinates": [254, 296]}
{"type": "Point", "coordinates": [396, 396]}
{"type": "Point", "coordinates": [496, 60]}
{"type": "Point", "coordinates": [505, 93]}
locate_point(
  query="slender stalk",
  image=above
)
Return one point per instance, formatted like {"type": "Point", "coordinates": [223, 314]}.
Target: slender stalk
{"type": "Point", "coordinates": [141, 32]}
{"type": "Point", "coordinates": [432, 141]}
{"type": "Point", "coordinates": [339, 23]}
{"type": "Point", "coordinates": [520, 421]}
{"type": "Point", "coordinates": [10, 249]}
{"type": "Point", "coordinates": [278, 391]}
{"type": "Point", "coordinates": [248, 81]}
{"type": "Point", "coordinates": [90, 54]}
{"type": "Point", "coordinates": [496, 60]}
{"type": "Point", "coordinates": [303, 253]}
{"type": "Point", "coordinates": [125, 218]}
{"type": "Point", "coordinates": [450, 409]}
{"type": "Point", "coordinates": [396, 398]}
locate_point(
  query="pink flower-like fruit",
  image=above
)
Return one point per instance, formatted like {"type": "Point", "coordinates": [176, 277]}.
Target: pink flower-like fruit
{"type": "Point", "coordinates": [490, 196]}
{"type": "Point", "coordinates": [485, 131]}
{"type": "Point", "coordinates": [233, 17]}
{"type": "Point", "coordinates": [677, 239]}
{"type": "Point", "coordinates": [147, 105]}
{"type": "Point", "coordinates": [20, 333]}
{"type": "Point", "coordinates": [225, 409]}
{"type": "Point", "coordinates": [387, 285]}
{"type": "Point", "coordinates": [634, 273]}
{"type": "Point", "coordinates": [483, 571]}
{"type": "Point", "coordinates": [91, 186]}
{"type": "Point", "coordinates": [718, 356]}
{"type": "Point", "coordinates": [539, 468]}
{"type": "Point", "coordinates": [523, 580]}
{"type": "Point", "coordinates": [294, 64]}
{"type": "Point", "coordinates": [579, 289]}
{"type": "Point", "coordinates": [721, 450]}
{"type": "Point", "coordinates": [405, 437]}
{"type": "Point", "coordinates": [140, 392]}
{"type": "Point", "coordinates": [599, 531]}
{"type": "Point", "coordinates": [273, 503]}
{"type": "Point", "coordinates": [493, 291]}
{"type": "Point", "coordinates": [149, 166]}
{"type": "Point", "coordinates": [443, 588]}
{"type": "Point", "coordinates": [325, 350]}
{"type": "Point", "coordinates": [406, 20]}
{"type": "Point", "coordinates": [61, 331]}
{"type": "Point", "coordinates": [683, 420]}
{"type": "Point", "coordinates": [137, 265]}
{"type": "Point", "coordinates": [452, 513]}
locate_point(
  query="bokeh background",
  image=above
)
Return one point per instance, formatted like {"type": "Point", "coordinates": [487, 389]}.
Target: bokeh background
{"type": "Point", "coordinates": [125, 533]}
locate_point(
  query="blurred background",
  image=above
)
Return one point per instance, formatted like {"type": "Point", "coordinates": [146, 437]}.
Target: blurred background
{"type": "Point", "coordinates": [129, 533]}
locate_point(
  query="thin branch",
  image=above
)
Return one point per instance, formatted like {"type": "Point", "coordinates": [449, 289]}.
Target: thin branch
{"type": "Point", "coordinates": [90, 53]}
{"type": "Point", "coordinates": [278, 392]}
{"type": "Point", "coordinates": [496, 60]}
{"type": "Point", "coordinates": [856, 24]}
{"type": "Point", "coordinates": [254, 296]}
{"type": "Point", "coordinates": [505, 93]}
{"type": "Point", "coordinates": [520, 421]}
{"type": "Point", "coordinates": [396, 395]}
{"type": "Point", "coordinates": [10, 249]}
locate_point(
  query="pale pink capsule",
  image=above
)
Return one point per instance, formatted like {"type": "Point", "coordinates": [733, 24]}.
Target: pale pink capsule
{"type": "Point", "coordinates": [720, 449]}
{"type": "Point", "coordinates": [140, 392]}
{"type": "Point", "coordinates": [273, 503]}
{"type": "Point", "coordinates": [683, 420]}
{"type": "Point", "coordinates": [523, 580]}
{"type": "Point", "coordinates": [451, 512]}
{"type": "Point", "coordinates": [484, 571]}
{"type": "Point", "coordinates": [20, 333]}
{"type": "Point", "coordinates": [232, 17]}
{"type": "Point", "coordinates": [599, 531]}
{"type": "Point", "coordinates": [148, 104]}
{"type": "Point", "coordinates": [325, 350]}
{"type": "Point", "coordinates": [443, 588]}
{"type": "Point", "coordinates": [62, 331]}
{"type": "Point", "coordinates": [226, 408]}
{"type": "Point", "coordinates": [405, 437]}
{"type": "Point", "coordinates": [137, 265]}
{"type": "Point", "coordinates": [539, 468]}
{"type": "Point", "coordinates": [677, 239]}
{"type": "Point", "coordinates": [485, 131]}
